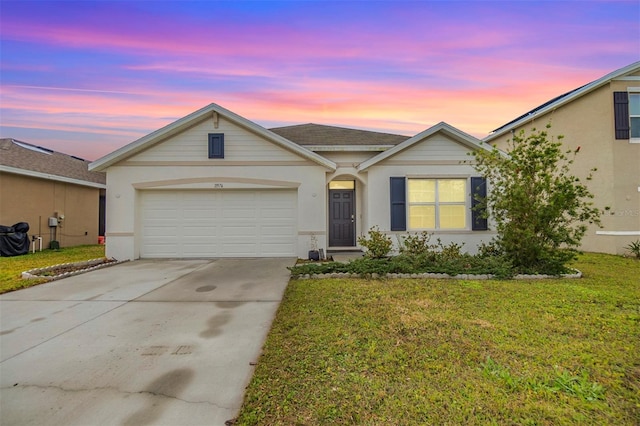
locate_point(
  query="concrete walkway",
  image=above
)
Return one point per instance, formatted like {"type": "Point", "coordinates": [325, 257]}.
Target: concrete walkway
{"type": "Point", "coordinates": [169, 342]}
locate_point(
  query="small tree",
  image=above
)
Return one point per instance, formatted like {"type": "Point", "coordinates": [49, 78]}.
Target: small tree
{"type": "Point", "coordinates": [539, 207]}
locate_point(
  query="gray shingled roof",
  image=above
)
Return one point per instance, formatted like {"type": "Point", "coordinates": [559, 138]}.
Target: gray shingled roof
{"type": "Point", "coordinates": [44, 160]}
{"type": "Point", "coordinates": [317, 134]}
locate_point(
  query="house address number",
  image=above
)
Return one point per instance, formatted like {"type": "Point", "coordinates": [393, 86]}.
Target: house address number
{"type": "Point", "coordinates": [218, 185]}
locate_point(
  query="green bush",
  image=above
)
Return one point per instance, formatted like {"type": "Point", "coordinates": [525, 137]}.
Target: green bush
{"type": "Point", "coordinates": [450, 251]}
{"type": "Point", "coordinates": [415, 244]}
{"type": "Point", "coordinates": [499, 267]}
{"type": "Point", "coordinates": [377, 243]}
{"type": "Point", "coordinates": [491, 249]}
{"type": "Point", "coordinates": [539, 208]}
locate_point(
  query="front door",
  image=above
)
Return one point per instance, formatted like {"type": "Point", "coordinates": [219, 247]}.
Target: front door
{"type": "Point", "coordinates": [342, 227]}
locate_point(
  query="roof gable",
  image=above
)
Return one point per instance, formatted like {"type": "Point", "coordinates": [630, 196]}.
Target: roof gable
{"type": "Point", "coordinates": [23, 158]}
{"type": "Point", "coordinates": [442, 127]}
{"type": "Point", "coordinates": [563, 99]}
{"type": "Point", "coordinates": [184, 123]}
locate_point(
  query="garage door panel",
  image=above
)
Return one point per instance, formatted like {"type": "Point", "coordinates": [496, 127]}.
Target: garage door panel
{"type": "Point", "coordinates": [194, 230]}
{"type": "Point", "coordinates": [277, 213]}
{"type": "Point", "coordinates": [160, 214]}
{"type": "Point", "coordinates": [161, 231]}
{"type": "Point", "coordinates": [278, 249]}
{"type": "Point", "coordinates": [239, 250]}
{"type": "Point", "coordinates": [237, 213]}
{"type": "Point", "coordinates": [277, 231]}
{"type": "Point", "coordinates": [196, 250]}
{"type": "Point", "coordinates": [200, 214]}
{"type": "Point", "coordinates": [205, 232]}
{"type": "Point", "coordinates": [161, 250]}
{"type": "Point", "coordinates": [218, 223]}
{"type": "Point", "coordinates": [234, 231]}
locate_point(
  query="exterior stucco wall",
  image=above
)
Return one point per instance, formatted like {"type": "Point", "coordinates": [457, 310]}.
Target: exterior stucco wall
{"type": "Point", "coordinates": [181, 162]}
{"type": "Point", "coordinates": [32, 200]}
{"type": "Point", "coordinates": [126, 182]}
{"type": "Point", "coordinates": [379, 211]}
{"type": "Point", "coordinates": [438, 147]}
{"type": "Point", "coordinates": [192, 145]}
{"type": "Point", "coordinates": [588, 123]}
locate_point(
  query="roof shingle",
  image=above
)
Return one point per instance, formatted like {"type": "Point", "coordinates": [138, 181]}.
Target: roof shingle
{"type": "Point", "coordinates": [317, 134]}
{"type": "Point", "coordinates": [25, 156]}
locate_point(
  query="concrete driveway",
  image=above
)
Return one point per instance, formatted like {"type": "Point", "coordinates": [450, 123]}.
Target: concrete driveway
{"type": "Point", "coordinates": [168, 342]}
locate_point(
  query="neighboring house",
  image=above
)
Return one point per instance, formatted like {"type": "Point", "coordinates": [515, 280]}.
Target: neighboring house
{"type": "Point", "coordinates": [37, 183]}
{"type": "Point", "coordinates": [214, 184]}
{"type": "Point", "coordinates": [602, 119]}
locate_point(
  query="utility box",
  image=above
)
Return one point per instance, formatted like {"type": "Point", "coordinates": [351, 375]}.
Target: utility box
{"type": "Point", "coordinates": [53, 222]}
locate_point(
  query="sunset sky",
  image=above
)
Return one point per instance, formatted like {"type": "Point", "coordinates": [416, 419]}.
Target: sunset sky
{"type": "Point", "coordinates": [87, 77]}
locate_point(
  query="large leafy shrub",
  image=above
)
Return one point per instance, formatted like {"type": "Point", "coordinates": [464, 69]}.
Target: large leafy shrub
{"type": "Point", "coordinates": [540, 208]}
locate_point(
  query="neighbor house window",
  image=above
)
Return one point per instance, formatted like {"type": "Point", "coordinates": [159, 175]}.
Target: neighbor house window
{"type": "Point", "coordinates": [626, 114]}
{"type": "Point", "coordinates": [216, 145]}
{"type": "Point", "coordinates": [437, 203]}
{"type": "Point", "coordinates": [634, 115]}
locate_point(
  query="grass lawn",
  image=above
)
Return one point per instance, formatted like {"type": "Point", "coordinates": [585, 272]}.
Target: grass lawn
{"type": "Point", "coordinates": [407, 352]}
{"type": "Point", "coordinates": [11, 268]}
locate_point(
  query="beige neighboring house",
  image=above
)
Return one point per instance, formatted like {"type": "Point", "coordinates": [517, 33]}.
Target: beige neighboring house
{"type": "Point", "coordinates": [37, 183]}
{"type": "Point", "coordinates": [601, 118]}
{"type": "Point", "coordinates": [214, 184]}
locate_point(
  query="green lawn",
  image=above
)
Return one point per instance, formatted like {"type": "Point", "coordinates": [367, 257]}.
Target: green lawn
{"type": "Point", "coordinates": [406, 352]}
{"type": "Point", "coordinates": [11, 268]}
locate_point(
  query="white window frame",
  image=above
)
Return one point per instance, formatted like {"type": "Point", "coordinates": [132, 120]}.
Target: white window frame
{"type": "Point", "coordinates": [437, 203]}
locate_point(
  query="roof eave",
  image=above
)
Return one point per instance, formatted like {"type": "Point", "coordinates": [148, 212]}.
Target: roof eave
{"type": "Point", "coordinates": [348, 148]}
{"type": "Point", "coordinates": [144, 142]}
{"type": "Point", "coordinates": [587, 88]}
{"type": "Point", "coordinates": [49, 176]}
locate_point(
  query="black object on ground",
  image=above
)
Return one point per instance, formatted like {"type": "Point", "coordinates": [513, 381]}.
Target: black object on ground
{"type": "Point", "coordinates": [14, 240]}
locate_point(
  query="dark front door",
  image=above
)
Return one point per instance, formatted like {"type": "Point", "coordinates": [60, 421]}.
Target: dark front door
{"type": "Point", "coordinates": [342, 227]}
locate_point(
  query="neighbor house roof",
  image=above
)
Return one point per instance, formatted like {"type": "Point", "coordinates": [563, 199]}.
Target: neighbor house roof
{"type": "Point", "coordinates": [563, 99]}
{"type": "Point", "coordinates": [314, 136]}
{"type": "Point", "coordinates": [209, 111]}
{"type": "Point", "coordinates": [31, 160]}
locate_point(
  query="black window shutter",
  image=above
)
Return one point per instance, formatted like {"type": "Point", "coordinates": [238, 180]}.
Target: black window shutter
{"type": "Point", "coordinates": [478, 190]}
{"type": "Point", "coordinates": [216, 145]}
{"type": "Point", "coordinates": [621, 114]}
{"type": "Point", "coordinates": [398, 204]}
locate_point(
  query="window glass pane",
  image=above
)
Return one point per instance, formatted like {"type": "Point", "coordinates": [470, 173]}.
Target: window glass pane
{"type": "Point", "coordinates": [635, 127]}
{"type": "Point", "coordinates": [342, 184]}
{"type": "Point", "coordinates": [452, 190]}
{"type": "Point", "coordinates": [452, 217]}
{"type": "Point", "coordinates": [422, 217]}
{"type": "Point", "coordinates": [634, 104]}
{"type": "Point", "coordinates": [422, 190]}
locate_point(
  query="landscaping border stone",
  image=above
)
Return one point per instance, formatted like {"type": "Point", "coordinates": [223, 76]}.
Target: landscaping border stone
{"type": "Point", "coordinates": [76, 268]}
{"type": "Point", "coordinates": [575, 275]}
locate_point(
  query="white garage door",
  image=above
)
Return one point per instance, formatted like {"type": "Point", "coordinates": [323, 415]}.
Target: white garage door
{"type": "Point", "coordinates": [226, 223]}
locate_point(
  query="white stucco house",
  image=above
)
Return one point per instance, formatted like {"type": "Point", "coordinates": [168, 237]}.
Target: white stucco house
{"type": "Point", "coordinates": [214, 184]}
